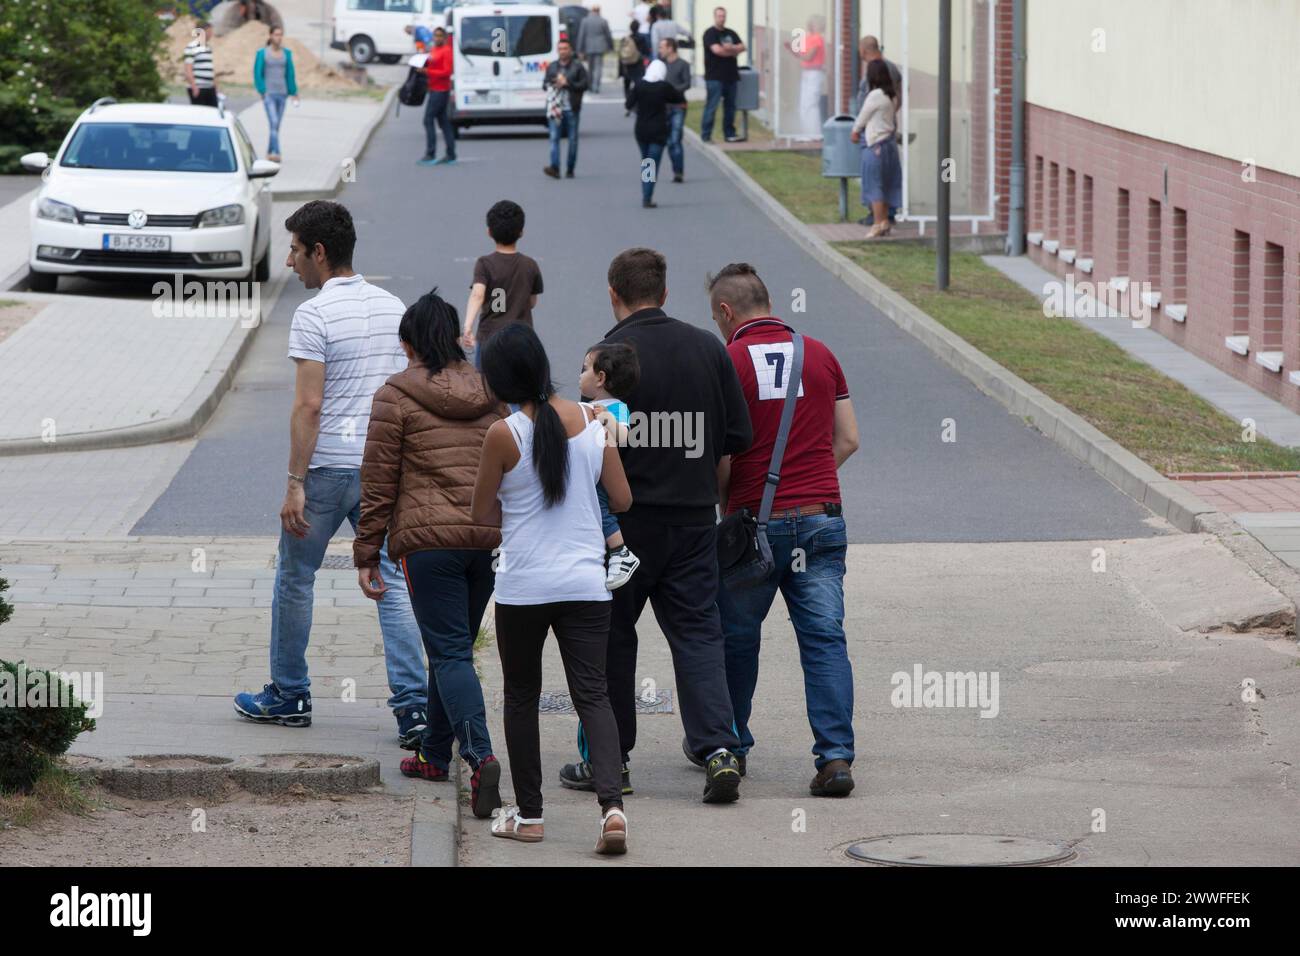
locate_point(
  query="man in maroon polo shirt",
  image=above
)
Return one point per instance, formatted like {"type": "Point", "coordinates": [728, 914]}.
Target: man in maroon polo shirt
{"type": "Point", "coordinates": [806, 530]}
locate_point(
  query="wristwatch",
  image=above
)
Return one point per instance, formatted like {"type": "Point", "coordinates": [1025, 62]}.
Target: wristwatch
{"type": "Point", "coordinates": [301, 479]}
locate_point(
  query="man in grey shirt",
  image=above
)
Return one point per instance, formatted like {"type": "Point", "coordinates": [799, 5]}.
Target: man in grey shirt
{"type": "Point", "coordinates": [594, 41]}
{"type": "Point", "coordinates": [665, 27]}
{"type": "Point", "coordinates": [679, 76]}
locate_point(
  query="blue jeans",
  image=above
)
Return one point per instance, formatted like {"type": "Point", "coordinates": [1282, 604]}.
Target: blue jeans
{"type": "Point", "coordinates": [676, 121]}
{"type": "Point", "coordinates": [437, 113]}
{"type": "Point", "coordinates": [274, 103]}
{"type": "Point", "coordinates": [719, 90]}
{"type": "Point", "coordinates": [334, 496]}
{"type": "Point", "coordinates": [566, 125]}
{"type": "Point", "coordinates": [655, 153]}
{"type": "Point", "coordinates": [608, 523]}
{"type": "Point", "coordinates": [815, 598]}
{"type": "Point", "coordinates": [449, 593]}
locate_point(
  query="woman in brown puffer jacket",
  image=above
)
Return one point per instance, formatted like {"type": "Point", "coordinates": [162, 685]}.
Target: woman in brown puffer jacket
{"type": "Point", "coordinates": [417, 478]}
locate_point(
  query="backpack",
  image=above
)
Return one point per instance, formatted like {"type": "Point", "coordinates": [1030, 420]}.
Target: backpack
{"type": "Point", "coordinates": [414, 88]}
{"type": "Point", "coordinates": [628, 54]}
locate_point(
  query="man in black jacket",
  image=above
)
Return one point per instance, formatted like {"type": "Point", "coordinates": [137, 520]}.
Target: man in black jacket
{"type": "Point", "coordinates": [687, 412]}
{"type": "Point", "coordinates": [565, 81]}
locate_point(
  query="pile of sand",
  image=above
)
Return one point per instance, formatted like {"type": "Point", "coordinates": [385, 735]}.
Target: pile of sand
{"type": "Point", "coordinates": [233, 56]}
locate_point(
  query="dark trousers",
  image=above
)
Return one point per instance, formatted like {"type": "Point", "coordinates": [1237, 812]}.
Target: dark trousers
{"type": "Point", "coordinates": [206, 96]}
{"type": "Point", "coordinates": [437, 113]}
{"type": "Point", "coordinates": [582, 630]}
{"type": "Point", "coordinates": [449, 591]}
{"type": "Point", "coordinates": [679, 577]}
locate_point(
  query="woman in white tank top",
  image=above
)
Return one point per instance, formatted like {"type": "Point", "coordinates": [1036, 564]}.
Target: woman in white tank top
{"type": "Point", "coordinates": [537, 476]}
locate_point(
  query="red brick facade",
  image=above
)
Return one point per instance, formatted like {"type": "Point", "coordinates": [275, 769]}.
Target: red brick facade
{"type": "Point", "coordinates": [1225, 247]}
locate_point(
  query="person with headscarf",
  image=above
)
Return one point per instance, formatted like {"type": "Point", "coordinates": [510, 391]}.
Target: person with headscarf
{"type": "Point", "coordinates": [651, 97]}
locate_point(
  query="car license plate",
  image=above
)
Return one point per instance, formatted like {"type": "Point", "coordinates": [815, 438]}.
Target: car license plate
{"type": "Point", "coordinates": [483, 99]}
{"type": "Point", "coordinates": [128, 242]}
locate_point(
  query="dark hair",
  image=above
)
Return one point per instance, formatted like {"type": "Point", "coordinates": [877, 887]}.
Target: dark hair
{"type": "Point", "coordinates": [634, 27]}
{"type": "Point", "coordinates": [431, 327]}
{"type": "Point", "coordinates": [564, 40]}
{"type": "Point", "coordinates": [505, 222]}
{"type": "Point", "coordinates": [517, 371]}
{"type": "Point", "coordinates": [328, 223]}
{"type": "Point", "coordinates": [203, 25]}
{"type": "Point", "coordinates": [879, 78]}
{"type": "Point", "coordinates": [619, 363]}
{"type": "Point", "coordinates": [271, 31]}
{"type": "Point", "coordinates": [655, 14]}
{"type": "Point", "coordinates": [672, 44]}
{"type": "Point", "coordinates": [638, 276]}
{"type": "Point", "coordinates": [740, 287]}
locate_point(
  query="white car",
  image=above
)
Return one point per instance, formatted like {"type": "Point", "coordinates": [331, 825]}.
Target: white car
{"type": "Point", "coordinates": [149, 188]}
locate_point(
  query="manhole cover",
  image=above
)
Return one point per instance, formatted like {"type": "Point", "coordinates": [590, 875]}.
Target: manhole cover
{"type": "Point", "coordinates": [563, 704]}
{"type": "Point", "coordinates": [959, 849]}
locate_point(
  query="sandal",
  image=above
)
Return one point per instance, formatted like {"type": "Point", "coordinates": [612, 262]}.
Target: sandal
{"type": "Point", "coordinates": [878, 231]}
{"type": "Point", "coordinates": [612, 842]}
{"type": "Point", "coordinates": [507, 824]}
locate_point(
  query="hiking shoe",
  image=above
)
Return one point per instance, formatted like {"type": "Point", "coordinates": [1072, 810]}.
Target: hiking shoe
{"type": "Point", "coordinates": [417, 766]}
{"type": "Point", "coordinates": [271, 707]}
{"type": "Point", "coordinates": [485, 788]}
{"type": "Point", "coordinates": [833, 780]}
{"type": "Point", "coordinates": [578, 776]}
{"type": "Point", "coordinates": [551, 171]}
{"type": "Point", "coordinates": [722, 778]}
{"type": "Point", "coordinates": [619, 567]}
{"type": "Point", "coordinates": [411, 726]}
{"type": "Point", "coordinates": [690, 755]}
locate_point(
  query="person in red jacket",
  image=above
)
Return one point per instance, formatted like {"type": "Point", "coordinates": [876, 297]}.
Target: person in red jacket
{"type": "Point", "coordinates": [437, 107]}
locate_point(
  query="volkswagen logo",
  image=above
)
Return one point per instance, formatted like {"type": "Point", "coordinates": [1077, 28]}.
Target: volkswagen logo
{"type": "Point", "coordinates": [136, 219]}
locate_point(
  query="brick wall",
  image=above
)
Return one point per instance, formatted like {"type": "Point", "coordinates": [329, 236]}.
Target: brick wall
{"type": "Point", "coordinates": [1234, 245]}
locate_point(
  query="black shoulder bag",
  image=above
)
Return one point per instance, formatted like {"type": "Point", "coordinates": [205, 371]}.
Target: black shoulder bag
{"type": "Point", "coordinates": [744, 556]}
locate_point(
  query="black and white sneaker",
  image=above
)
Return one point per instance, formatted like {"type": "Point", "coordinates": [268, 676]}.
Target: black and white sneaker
{"type": "Point", "coordinates": [578, 776]}
{"type": "Point", "coordinates": [619, 568]}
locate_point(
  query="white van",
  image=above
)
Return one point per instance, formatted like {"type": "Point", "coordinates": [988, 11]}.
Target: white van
{"type": "Point", "coordinates": [376, 29]}
{"type": "Point", "coordinates": [501, 55]}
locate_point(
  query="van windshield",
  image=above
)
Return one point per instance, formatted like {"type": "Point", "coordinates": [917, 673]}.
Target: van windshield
{"type": "Point", "coordinates": [505, 36]}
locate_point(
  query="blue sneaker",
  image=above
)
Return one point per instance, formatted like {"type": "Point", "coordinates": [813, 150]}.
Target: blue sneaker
{"type": "Point", "coordinates": [270, 707]}
{"type": "Point", "coordinates": [411, 726]}
{"type": "Point", "coordinates": [447, 162]}
{"type": "Point", "coordinates": [428, 161]}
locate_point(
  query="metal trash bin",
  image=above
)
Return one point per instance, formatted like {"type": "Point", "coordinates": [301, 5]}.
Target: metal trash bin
{"type": "Point", "coordinates": [841, 157]}
{"type": "Point", "coordinates": [747, 89]}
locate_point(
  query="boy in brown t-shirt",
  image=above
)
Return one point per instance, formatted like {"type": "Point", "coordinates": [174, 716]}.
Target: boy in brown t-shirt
{"type": "Point", "coordinates": [506, 283]}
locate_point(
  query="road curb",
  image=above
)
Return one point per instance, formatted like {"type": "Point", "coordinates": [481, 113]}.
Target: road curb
{"type": "Point", "coordinates": [435, 842]}
{"type": "Point", "coordinates": [1120, 467]}
{"type": "Point", "coordinates": [358, 147]}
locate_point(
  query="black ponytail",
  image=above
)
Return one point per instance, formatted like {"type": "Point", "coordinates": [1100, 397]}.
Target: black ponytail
{"type": "Point", "coordinates": [517, 371]}
{"type": "Point", "coordinates": [431, 327]}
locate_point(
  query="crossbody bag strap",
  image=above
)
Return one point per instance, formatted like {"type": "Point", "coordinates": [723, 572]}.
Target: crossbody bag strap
{"type": "Point", "coordinates": [793, 381]}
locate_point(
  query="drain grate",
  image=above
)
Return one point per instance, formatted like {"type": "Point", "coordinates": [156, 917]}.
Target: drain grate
{"type": "Point", "coordinates": [563, 704]}
{"type": "Point", "coordinates": [960, 849]}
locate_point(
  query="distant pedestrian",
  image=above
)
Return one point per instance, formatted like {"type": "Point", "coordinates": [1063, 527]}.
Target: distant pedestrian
{"type": "Point", "coordinates": [610, 371]}
{"type": "Point", "coordinates": [811, 53]}
{"type": "Point", "coordinates": [721, 76]}
{"type": "Point", "coordinates": [641, 17]}
{"type": "Point", "coordinates": [652, 98]}
{"type": "Point", "coordinates": [594, 41]}
{"type": "Point", "coordinates": [506, 282]}
{"type": "Point", "coordinates": [806, 529]}
{"type": "Point", "coordinates": [538, 473]}
{"type": "Point", "coordinates": [200, 71]}
{"type": "Point", "coordinates": [274, 78]}
{"type": "Point", "coordinates": [566, 80]}
{"type": "Point", "coordinates": [437, 107]}
{"type": "Point", "coordinates": [679, 78]}
{"type": "Point", "coordinates": [345, 345]}
{"type": "Point", "coordinates": [869, 50]}
{"type": "Point", "coordinates": [427, 425]}
{"type": "Point", "coordinates": [664, 27]}
{"type": "Point", "coordinates": [687, 378]}
{"type": "Point", "coordinates": [421, 35]}
{"type": "Point", "coordinates": [882, 172]}
{"type": "Point", "coordinates": [633, 53]}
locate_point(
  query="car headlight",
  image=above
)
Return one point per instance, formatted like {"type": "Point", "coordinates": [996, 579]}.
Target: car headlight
{"type": "Point", "coordinates": [58, 211]}
{"type": "Point", "coordinates": [231, 215]}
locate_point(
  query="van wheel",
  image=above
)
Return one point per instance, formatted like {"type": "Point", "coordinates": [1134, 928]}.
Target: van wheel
{"type": "Point", "coordinates": [362, 49]}
{"type": "Point", "coordinates": [42, 281]}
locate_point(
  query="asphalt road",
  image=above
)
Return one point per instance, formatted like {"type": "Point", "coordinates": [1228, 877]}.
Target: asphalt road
{"type": "Point", "coordinates": [423, 227]}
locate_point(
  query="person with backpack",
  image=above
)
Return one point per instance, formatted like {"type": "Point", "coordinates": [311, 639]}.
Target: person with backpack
{"type": "Point", "coordinates": [633, 52]}
{"type": "Point", "coordinates": [537, 476]}
{"type": "Point", "coordinates": [791, 471]}
{"type": "Point", "coordinates": [652, 97]}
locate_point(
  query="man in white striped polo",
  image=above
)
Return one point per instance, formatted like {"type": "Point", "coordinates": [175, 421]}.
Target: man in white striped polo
{"type": "Point", "coordinates": [344, 342]}
{"type": "Point", "coordinates": [200, 74]}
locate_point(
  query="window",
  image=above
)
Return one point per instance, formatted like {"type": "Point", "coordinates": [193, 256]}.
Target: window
{"type": "Point", "coordinates": [505, 36]}
{"type": "Point", "coordinates": [1153, 243]}
{"type": "Point", "coordinates": [1121, 233]}
{"type": "Point", "coordinates": [1178, 267]}
{"type": "Point", "coordinates": [1053, 202]}
{"type": "Point", "coordinates": [1085, 235]}
{"type": "Point", "coordinates": [157, 147]}
{"type": "Point", "coordinates": [389, 6]}
{"type": "Point", "coordinates": [1069, 238]}
{"type": "Point", "coordinates": [1038, 194]}
{"type": "Point", "coordinates": [1240, 283]}
{"type": "Point", "coordinates": [1272, 297]}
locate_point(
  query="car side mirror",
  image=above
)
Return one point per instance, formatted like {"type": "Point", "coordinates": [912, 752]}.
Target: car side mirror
{"type": "Point", "coordinates": [35, 162]}
{"type": "Point", "coordinates": [263, 169]}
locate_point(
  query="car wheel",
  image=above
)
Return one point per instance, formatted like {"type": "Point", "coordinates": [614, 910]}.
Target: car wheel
{"type": "Point", "coordinates": [262, 271]}
{"type": "Point", "coordinates": [362, 49]}
{"type": "Point", "coordinates": [42, 281]}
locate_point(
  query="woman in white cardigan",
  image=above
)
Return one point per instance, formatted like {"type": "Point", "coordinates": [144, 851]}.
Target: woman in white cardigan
{"type": "Point", "coordinates": [875, 129]}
